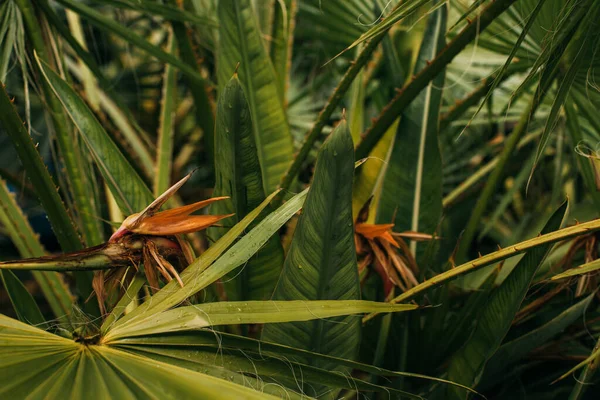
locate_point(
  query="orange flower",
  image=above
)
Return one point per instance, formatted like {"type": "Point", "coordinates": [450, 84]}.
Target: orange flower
{"type": "Point", "coordinates": [386, 251]}
{"type": "Point", "coordinates": [150, 228]}
{"type": "Point", "coordinates": [171, 222]}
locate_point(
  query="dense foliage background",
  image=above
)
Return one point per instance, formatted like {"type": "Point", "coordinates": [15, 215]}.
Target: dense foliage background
{"type": "Point", "coordinates": [414, 187]}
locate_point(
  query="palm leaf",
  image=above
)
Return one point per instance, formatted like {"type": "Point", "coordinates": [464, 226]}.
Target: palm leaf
{"type": "Point", "coordinates": [272, 373]}
{"type": "Point", "coordinates": [249, 312]}
{"type": "Point", "coordinates": [256, 350]}
{"type": "Point", "coordinates": [282, 39]}
{"type": "Point", "coordinates": [10, 23]}
{"type": "Point", "coordinates": [45, 365]}
{"type": "Point", "coordinates": [240, 42]}
{"type": "Point", "coordinates": [583, 53]}
{"type": "Point", "coordinates": [321, 262]}
{"type": "Point", "coordinates": [585, 166]}
{"type": "Point", "coordinates": [238, 175]}
{"type": "Point", "coordinates": [130, 192]}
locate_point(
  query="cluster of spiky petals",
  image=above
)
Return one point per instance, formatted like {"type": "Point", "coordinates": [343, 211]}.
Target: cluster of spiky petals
{"type": "Point", "coordinates": [386, 251]}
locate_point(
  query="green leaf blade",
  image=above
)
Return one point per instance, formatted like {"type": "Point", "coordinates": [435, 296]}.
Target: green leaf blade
{"type": "Point", "coordinates": [284, 16]}
{"type": "Point", "coordinates": [321, 262]}
{"type": "Point", "coordinates": [52, 284]}
{"type": "Point", "coordinates": [240, 42]}
{"type": "Point", "coordinates": [23, 303]}
{"type": "Point", "coordinates": [38, 174]}
{"type": "Point", "coordinates": [129, 190]}
{"type": "Point", "coordinates": [512, 351]}
{"type": "Point", "coordinates": [166, 129]}
{"type": "Point", "coordinates": [238, 175]}
{"type": "Point", "coordinates": [253, 312]}
{"type": "Point", "coordinates": [412, 189]}
{"type": "Point", "coordinates": [498, 313]}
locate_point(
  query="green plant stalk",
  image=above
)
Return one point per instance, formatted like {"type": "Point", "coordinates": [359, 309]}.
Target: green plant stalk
{"type": "Point", "coordinates": [91, 226]}
{"type": "Point", "coordinates": [283, 43]}
{"type": "Point", "coordinates": [96, 98]}
{"type": "Point", "coordinates": [126, 185]}
{"type": "Point", "coordinates": [69, 151]}
{"type": "Point", "coordinates": [406, 95]}
{"type": "Point", "coordinates": [468, 12]}
{"type": "Point", "coordinates": [411, 191]}
{"type": "Point", "coordinates": [65, 262]}
{"type": "Point", "coordinates": [586, 376]}
{"type": "Point", "coordinates": [166, 129]}
{"type": "Point", "coordinates": [87, 77]}
{"type": "Point", "coordinates": [580, 270]}
{"type": "Point", "coordinates": [199, 89]}
{"type": "Point", "coordinates": [52, 285]}
{"type": "Point", "coordinates": [104, 256]}
{"type": "Point", "coordinates": [497, 256]}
